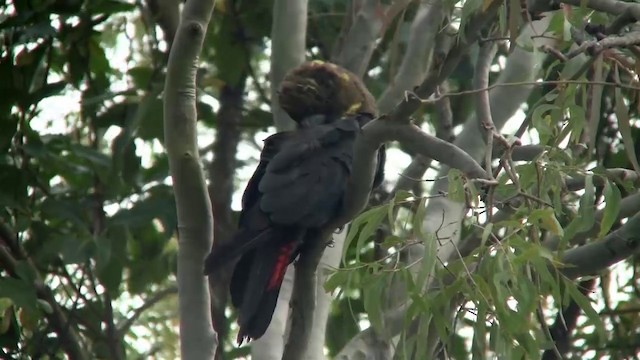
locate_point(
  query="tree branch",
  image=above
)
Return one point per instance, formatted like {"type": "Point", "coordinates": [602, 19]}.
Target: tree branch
{"type": "Point", "coordinates": [476, 23]}
{"type": "Point", "coordinates": [417, 58]}
{"type": "Point", "coordinates": [619, 175]}
{"type": "Point", "coordinates": [483, 107]}
{"type": "Point", "coordinates": [593, 257]}
{"type": "Point", "coordinates": [303, 299]}
{"type": "Point", "coordinates": [613, 7]}
{"type": "Point", "coordinates": [359, 39]}
{"type": "Point", "coordinates": [330, 260]}
{"type": "Point", "coordinates": [195, 224]}
{"type": "Point", "coordinates": [594, 48]}
{"type": "Point", "coordinates": [288, 34]}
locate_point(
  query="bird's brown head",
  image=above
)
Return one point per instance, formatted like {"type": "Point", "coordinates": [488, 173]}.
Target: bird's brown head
{"type": "Point", "coordinates": [322, 88]}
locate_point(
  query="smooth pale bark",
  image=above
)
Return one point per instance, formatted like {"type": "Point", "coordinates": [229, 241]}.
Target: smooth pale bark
{"type": "Point", "coordinates": [288, 44]}
{"type": "Point", "coordinates": [195, 218]}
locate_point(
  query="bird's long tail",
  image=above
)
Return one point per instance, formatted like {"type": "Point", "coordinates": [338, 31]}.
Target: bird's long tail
{"type": "Point", "coordinates": [258, 275]}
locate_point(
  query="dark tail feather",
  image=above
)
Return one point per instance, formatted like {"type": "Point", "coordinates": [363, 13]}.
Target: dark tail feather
{"type": "Point", "coordinates": [256, 282]}
{"type": "Point", "coordinates": [242, 242]}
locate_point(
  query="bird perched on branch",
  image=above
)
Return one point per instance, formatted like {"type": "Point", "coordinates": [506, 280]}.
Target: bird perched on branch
{"type": "Point", "coordinates": [297, 188]}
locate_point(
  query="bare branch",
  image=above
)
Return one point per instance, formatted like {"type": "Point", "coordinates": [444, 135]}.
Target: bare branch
{"type": "Point", "coordinates": [360, 41]}
{"type": "Point", "coordinates": [396, 127]}
{"type": "Point", "coordinates": [195, 224]}
{"type": "Point", "coordinates": [475, 24]}
{"type": "Point", "coordinates": [166, 13]}
{"type": "Point", "coordinates": [303, 299]}
{"type": "Point", "coordinates": [288, 39]}
{"type": "Point", "coordinates": [149, 303]}
{"type": "Point", "coordinates": [362, 33]}
{"type": "Point", "coordinates": [616, 174]}
{"type": "Point", "coordinates": [412, 173]}
{"type": "Point", "coordinates": [385, 130]}
{"type": "Point", "coordinates": [593, 48]}
{"type": "Point", "coordinates": [330, 260]}
{"type": "Point", "coordinates": [519, 152]}
{"type": "Point", "coordinates": [416, 59]}
{"type": "Point", "coordinates": [613, 7]}
{"type": "Point", "coordinates": [528, 84]}
{"type": "Point", "coordinates": [483, 107]}
{"type": "Point", "coordinates": [593, 257]}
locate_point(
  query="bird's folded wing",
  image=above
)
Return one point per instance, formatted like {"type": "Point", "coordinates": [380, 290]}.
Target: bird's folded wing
{"type": "Point", "coordinates": [272, 146]}
{"type": "Point", "coordinates": [304, 183]}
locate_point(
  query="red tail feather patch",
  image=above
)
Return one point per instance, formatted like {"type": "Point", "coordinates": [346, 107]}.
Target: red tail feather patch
{"type": "Point", "coordinates": [281, 266]}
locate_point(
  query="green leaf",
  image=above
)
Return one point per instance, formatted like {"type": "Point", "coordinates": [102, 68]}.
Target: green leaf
{"type": "Point", "coordinates": [131, 164]}
{"type": "Point", "coordinates": [542, 122]}
{"type": "Point", "coordinates": [45, 306]}
{"type": "Point", "coordinates": [150, 114]}
{"type": "Point", "coordinates": [624, 125]}
{"type": "Point", "coordinates": [418, 218]}
{"type": "Point", "coordinates": [13, 187]}
{"type": "Point", "coordinates": [547, 220]}
{"type": "Point", "coordinates": [586, 214]}
{"type": "Point", "coordinates": [577, 118]}
{"type": "Point", "coordinates": [363, 226]}
{"type": "Point", "coordinates": [110, 269]}
{"type": "Point", "coordinates": [373, 293]}
{"type": "Point", "coordinates": [94, 157]}
{"type": "Point", "coordinates": [157, 205]}
{"type": "Point", "coordinates": [585, 304]}
{"type": "Point", "coordinates": [46, 90]}
{"type": "Point", "coordinates": [98, 62]}
{"type": "Point", "coordinates": [76, 250]}
{"type": "Point", "coordinates": [456, 186]}
{"type": "Point", "coordinates": [116, 114]}
{"type": "Point", "coordinates": [428, 262]}
{"type": "Point", "coordinates": [337, 279]}
{"type": "Point", "coordinates": [22, 294]}
{"type": "Point", "coordinates": [486, 232]}
{"type": "Point", "coordinates": [612, 198]}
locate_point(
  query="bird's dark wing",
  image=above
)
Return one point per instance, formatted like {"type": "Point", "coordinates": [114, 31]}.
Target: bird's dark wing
{"type": "Point", "coordinates": [305, 182]}
{"type": "Point", "coordinates": [271, 147]}
{"type": "Point", "coordinates": [254, 227]}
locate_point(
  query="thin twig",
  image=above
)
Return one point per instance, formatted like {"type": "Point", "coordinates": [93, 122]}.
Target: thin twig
{"type": "Point", "coordinates": [524, 83]}
{"type": "Point", "coordinates": [124, 327]}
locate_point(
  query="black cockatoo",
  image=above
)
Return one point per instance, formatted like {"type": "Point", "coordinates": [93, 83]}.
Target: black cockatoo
{"type": "Point", "coordinates": [297, 188]}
